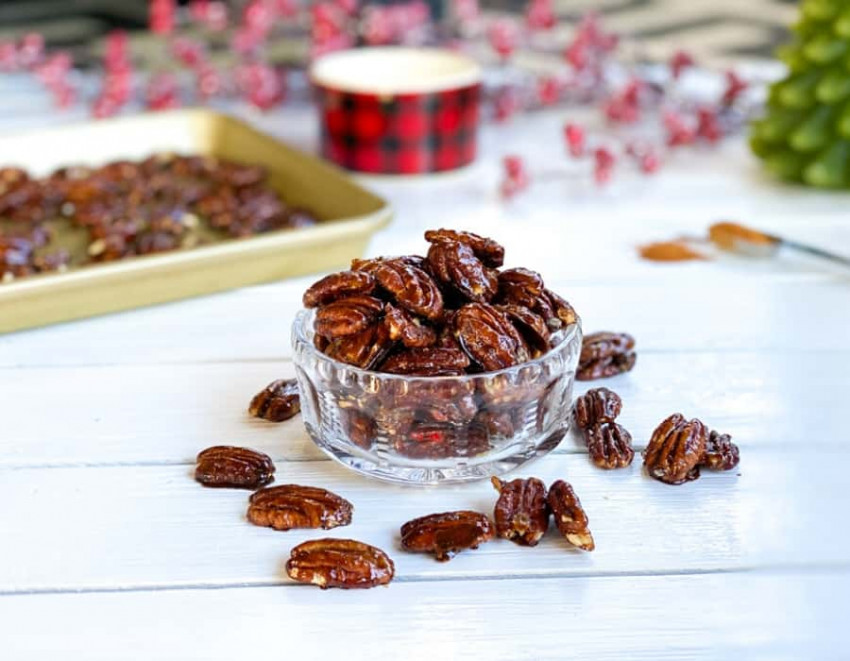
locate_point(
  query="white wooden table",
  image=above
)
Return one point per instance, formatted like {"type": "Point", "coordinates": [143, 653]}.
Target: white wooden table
{"type": "Point", "coordinates": [111, 551]}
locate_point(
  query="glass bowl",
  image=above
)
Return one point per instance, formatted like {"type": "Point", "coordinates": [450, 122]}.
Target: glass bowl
{"type": "Point", "coordinates": [434, 430]}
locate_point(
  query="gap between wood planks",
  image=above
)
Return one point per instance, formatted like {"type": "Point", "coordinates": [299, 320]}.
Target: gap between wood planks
{"type": "Point", "coordinates": [767, 569]}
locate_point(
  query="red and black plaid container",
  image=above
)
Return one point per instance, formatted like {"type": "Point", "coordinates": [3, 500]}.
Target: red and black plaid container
{"type": "Point", "coordinates": [398, 110]}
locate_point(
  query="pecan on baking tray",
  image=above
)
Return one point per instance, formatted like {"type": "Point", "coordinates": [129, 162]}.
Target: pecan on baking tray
{"type": "Point", "coordinates": [521, 513]}
{"type": "Point", "coordinates": [569, 515]}
{"type": "Point", "coordinates": [277, 402]}
{"type": "Point", "coordinates": [234, 467]}
{"type": "Point", "coordinates": [675, 450]}
{"type": "Point", "coordinates": [446, 534]}
{"type": "Point", "coordinates": [609, 445]}
{"type": "Point", "coordinates": [339, 563]}
{"type": "Point", "coordinates": [290, 506]}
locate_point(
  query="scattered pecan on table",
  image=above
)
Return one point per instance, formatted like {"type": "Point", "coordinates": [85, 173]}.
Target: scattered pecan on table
{"type": "Point", "coordinates": [609, 445]}
{"type": "Point", "coordinates": [446, 534]}
{"type": "Point", "coordinates": [234, 467]}
{"type": "Point", "coordinates": [605, 354]}
{"type": "Point", "coordinates": [569, 515]}
{"type": "Point", "coordinates": [721, 454]}
{"type": "Point", "coordinates": [339, 563]}
{"type": "Point", "coordinates": [597, 405]}
{"type": "Point", "coordinates": [522, 512]}
{"type": "Point", "coordinates": [676, 449]}
{"type": "Point", "coordinates": [277, 402]}
{"type": "Point", "coordinates": [290, 506]}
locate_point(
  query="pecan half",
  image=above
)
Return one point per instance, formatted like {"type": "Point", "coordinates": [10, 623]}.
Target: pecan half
{"type": "Point", "coordinates": [446, 534]}
{"type": "Point", "coordinates": [339, 285]}
{"type": "Point", "coordinates": [360, 428]}
{"type": "Point", "coordinates": [531, 326]}
{"type": "Point", "coordinates": [521, 287]}
{"type": "Point", "coordinates": [675, 450]}
{"type": "Point", "coordinates": [488, 336]}
{"type": "Point", "coordinates": [721, 454]}
{"type": "Point", "coordinates": [455, 266]}
{"type": "Point", "coordinates": [339, 563]}
{"type": "Point", "coordinates": [569, 515]}
{"type": "Point", "coordinates": [277, 402]}
{"type": "Point", "coordinates": [609, 445]}
{"type": "Point", "coordinates": [233, 467]}
{"type": "Point", "coordinates": [487, 250]}
{"type": "Point", "coordinates": [294, 506]}
{"type": "Point", "coordinates": [365, 349]}
{"type": "Point", "coordinates": [521, 512]}
{"type": "Point", "coordinates": [605, 354]}
{"type": "Point", "coordinates": [562, 311]}
{"type": "Point", "coordinates": [428, 361]}
{"type": "Point", "coordinates": [597, 405]}
{"type": "Point", "coordinates": [496, 423]}
{"type": "Point", "coordinates": [402, 325]}
{"type": "Point", "coordinates": [348, 316]}
{"type": "Point", "coordinates": [411, 287]}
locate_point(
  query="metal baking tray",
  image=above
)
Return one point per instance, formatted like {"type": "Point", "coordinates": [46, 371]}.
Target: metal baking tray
{"type": "Point", "coordinates": [349, 215]}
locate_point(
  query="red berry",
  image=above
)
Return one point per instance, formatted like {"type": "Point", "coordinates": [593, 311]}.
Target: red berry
{"type": "Point", "coordinates": [680, 61]}
{"type": "Point", "coordinates": [575, 137]}
{"type": "Point", "coordinates": [540, 15]}
{"type": "Point", "coordinates": [503, 38]}
{"type": "Point", "coordinates": [735, 86]}
{"type": "Point", "coordinates": [708, 125]}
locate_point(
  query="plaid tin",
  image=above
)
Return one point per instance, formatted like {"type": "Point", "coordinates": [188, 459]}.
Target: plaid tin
{"type": "Point", "coordinates": [400, 134]}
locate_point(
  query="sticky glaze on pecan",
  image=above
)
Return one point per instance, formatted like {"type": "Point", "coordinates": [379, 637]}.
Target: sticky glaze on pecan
{"type": "Point", "coordinates": [339, 285]}
{"type": "Point", "coordinates": [521, 513]}
{"type": "Point", "coordinates": [569, 515]}
{"type": "Point", "coordinates": [348, 316]}
{"type": "Point", "coordinates": [488, 251]}
{"type": "Point", "coordinates": [290, 506]}
{"type": "Point", "coordinates": [339, 563]}
{"type": "Point", "coordinates": [609, 445]}
{"type": "Point", "coordinates": [488, 336]}
{"type": "Point", "coordinates": [721, 454]}
{"type": "Point", "coordinates": [597, 405]}
{"type": "Point", "coordinates": [277, 402]}
{"type": "Point", "coordinates": [675, 450]}
{"type": "Point", "coordinates": [233, 467]}
{"type": "Point", "coordinates": [446, 534]}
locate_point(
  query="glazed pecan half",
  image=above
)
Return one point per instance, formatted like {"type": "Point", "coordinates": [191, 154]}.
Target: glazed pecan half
{"type": "Point", "coordinates": [487, 250]}
{"type": "Point", "coordinates": [597, 405]}
{"type": "Point", "coordinates": [365, 349]}
{"type": "Point", "coordinates": [339, 563]}
{"type": "Point", "coordinates": [531, 326]}
{"type": "Point", "coordinates": [294, 506]}
{"type": "Point", "coordinates": [446, 534]}
{"type": "Point", "coordinates": [277, 402]}
{"type": "Point", "coordinates": [569, 515]}
{"type": "Point", "coordinates": [521, 287]}
{"type": "Point", "coordinates": [521, 512]}
{"type": "Point", "coordinates": [609, 445]}
{"type": "Point", "coordinates": [429, 361]}
{"type": "Point", "coordinates": [233, 467]}
{"type": "Point", "coordinates": [348, 316]}
{"type": "Point", "coordinates": [675, 450]}
{"type": "Point", "coordinates": [405, 327]}
{"type": "Point", "coordinates": [455, 266]}
{"type": "Point", "coordinates": [605, 354]}
{"type": "Point", "coordinates": [721, 454]}
{"type": "Point", "coordinates": [488, 336]}
{"type": "Point", "coordinates": [339, 285]}
{"type": "Point", "coordinates": [411, 287]}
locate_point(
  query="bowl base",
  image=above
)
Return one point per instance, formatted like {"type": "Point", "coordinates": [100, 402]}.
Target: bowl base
{"type": "Point", "coordinates": [431, 473]}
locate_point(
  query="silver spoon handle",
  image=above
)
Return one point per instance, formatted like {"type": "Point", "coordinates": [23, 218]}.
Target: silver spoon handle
{"type": "Point", "coordinates": [818, 252]}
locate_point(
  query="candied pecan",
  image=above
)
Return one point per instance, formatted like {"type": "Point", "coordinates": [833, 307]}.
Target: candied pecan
{"type": "Point", "coordinates": [348, 316]}
{"type": "Point", "coordinates": [597, 405]}
{"type": "Point", "coordinates": [455, 266]}
{"type": "Point", "coordinates": [521, 512]}
{"type": "Point", "coordinates": [411, 287]}
{"type": "Point", "coordinates": [605, 354]}
{"type": "Point", "coordinates": [233, 467]}
{"type": "Point", "coordinates": [277, 402]}
{"type": "Point", "coordinates": [609, 445]}
{"type": "Point", "coordinates": [364, 350]}
{"type": "Point", "coordinates": [339, 563]}
{"type": "Point", "coordinates": [721, 454]}
{"type": "Point", "coordinates": [432, 440]}
{"type": "Point", "coordinates": [402, 325]}
{"type": "Point", "coordinates": [294, 506]}
{"type": "Point", "coordinates": [675, 450]}
{"type": "Point", "coordinates": [531, 326]}
{"type": "Point", "coordinates": [569, 515]}
{"type": "Point", "coordinates": [488, 336]}
{"type": "Point", "coordinates": [487, 250]}
{"type": "Point", "coordinates": [520, 287]}
{"type": "Point", "coordinates": [360, 428]}
{"type": "Point", "coordinates": [562, 310]}
{"type": "Point", "coordinates": [427, 361]}
{"type": "Point", "coordinates": [496, 423]}
{"type": "Point", "coordinates": [446, 534]}
{"type": "Point", "coordinates": [338, 285]}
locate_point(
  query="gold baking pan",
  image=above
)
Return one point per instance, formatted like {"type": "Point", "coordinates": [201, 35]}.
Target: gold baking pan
{"type": "Point", "coordinates": [349, 215]}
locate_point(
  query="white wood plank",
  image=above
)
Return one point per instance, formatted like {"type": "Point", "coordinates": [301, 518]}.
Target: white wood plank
{"type": "Point", "coordinates": [129, 527]}
{"type": "Point", "coordinates": [167, 413]}
{"type": "Point", "coordinates": [254, 323]}
{"type": "Point", "coordinates": [720, 616]}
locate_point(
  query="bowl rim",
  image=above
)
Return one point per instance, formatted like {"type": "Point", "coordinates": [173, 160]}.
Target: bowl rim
{"type": "Point", "coordinates": [299, 328]}
{"type": "Point", "coordinates": [334, 71]}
